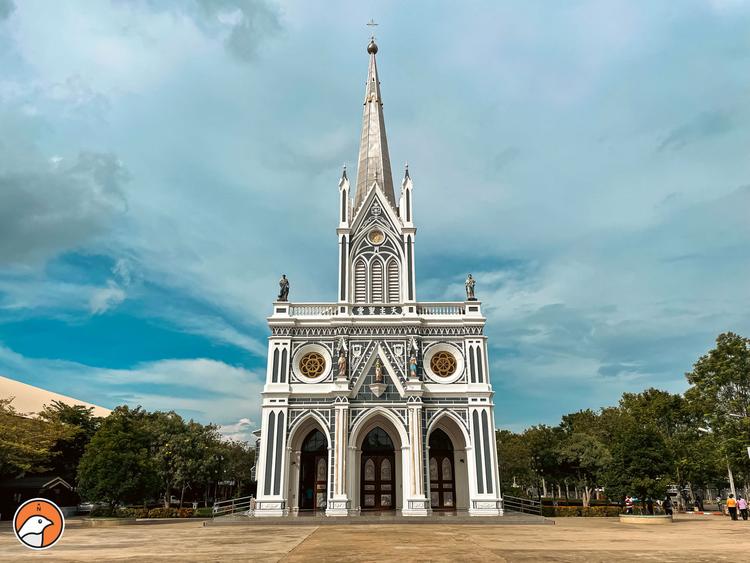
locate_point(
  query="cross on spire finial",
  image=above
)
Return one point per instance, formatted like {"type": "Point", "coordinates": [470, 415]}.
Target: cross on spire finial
{"type": "Point", "coordinates": [372, 48]}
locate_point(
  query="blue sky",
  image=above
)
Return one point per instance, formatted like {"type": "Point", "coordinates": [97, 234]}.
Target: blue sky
{"type": "Point", "coordinates": [161, 163]}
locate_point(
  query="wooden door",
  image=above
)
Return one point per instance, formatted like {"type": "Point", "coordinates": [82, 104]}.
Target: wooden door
{"type": "Point", "coordinates": [313, 482]}
{"type": "Point", "coordinates": [313, 472]}
{"type": "Point", "coordinates": [442, 481]}
{"type": "Point", "coordinates": [378, 484]}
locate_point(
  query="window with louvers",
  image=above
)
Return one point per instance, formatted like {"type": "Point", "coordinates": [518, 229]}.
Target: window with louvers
{"type": "Point", "coordinates": [360, 282]}
{"type": "Point", "coordinates": [393, 281]}
{"type": "Point", "coordinates": [377, 282]}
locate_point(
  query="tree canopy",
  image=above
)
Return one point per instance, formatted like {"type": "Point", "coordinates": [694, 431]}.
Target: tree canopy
{"type": "Point", "coordinates": [649, 441]}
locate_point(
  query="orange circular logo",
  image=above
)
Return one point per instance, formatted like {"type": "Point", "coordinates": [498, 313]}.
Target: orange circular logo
{"type": "Point", "coordinates": [39, 523]}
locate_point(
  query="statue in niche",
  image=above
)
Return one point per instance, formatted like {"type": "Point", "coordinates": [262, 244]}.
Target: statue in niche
{"type": "Point", "coordinates": [283, 288]}
{"type": "Point", "coordinates": [413, 365]}
{"type": "Point", "coordinates": [378, 371]}
{"type": "Point", "coordinates": [470, 283]}
{"type": "Point", "coordinates": [342, 363]}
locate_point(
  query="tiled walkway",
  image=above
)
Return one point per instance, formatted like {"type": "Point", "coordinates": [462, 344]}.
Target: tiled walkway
{"type": "Point", "coordinates": [570, 539]}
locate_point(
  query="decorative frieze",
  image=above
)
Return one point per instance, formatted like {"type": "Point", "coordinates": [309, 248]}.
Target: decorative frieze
{"type": "Point", "coordinates": [372, 331]}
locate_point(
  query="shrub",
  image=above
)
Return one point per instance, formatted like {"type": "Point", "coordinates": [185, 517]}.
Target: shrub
{"type": "Point", "coordinates": [590, 512]}
{"type": "Point", "coordinates": [101, 512]}
{"type": "Point", "coordinates": [206, 512]}
{"type": "Point", "coordinates": [161, 512]}
{"type": "Point", "coordinates": [170, 513]}
{"type": "Point", "coordinates": [185, 512]}
{"type": "Point", "coordinates": [132, 512]}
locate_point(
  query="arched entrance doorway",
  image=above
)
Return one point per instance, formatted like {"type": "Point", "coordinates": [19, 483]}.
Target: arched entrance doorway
{"type": "Point", "coordinates": [378, 473]}
{"type": "Point", "coordinates": [442, 472]}
{"type": "Point", "coordinates": [313, 476]}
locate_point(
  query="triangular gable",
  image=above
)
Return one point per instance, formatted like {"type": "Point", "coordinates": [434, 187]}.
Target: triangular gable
{"type": "Point", "coordinates": [376, 193]}
{"type": "Point", "coordinates": [390, 372]}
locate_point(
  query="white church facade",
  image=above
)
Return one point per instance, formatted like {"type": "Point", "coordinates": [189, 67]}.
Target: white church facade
{"type": "Point", "coordinates": [377, 401]}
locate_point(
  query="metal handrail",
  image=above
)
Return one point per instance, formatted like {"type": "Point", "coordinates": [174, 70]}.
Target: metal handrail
{"type": "Point", "coordinates": [523, 505]}
{"type": "Point", "coordinates": [234, 506]}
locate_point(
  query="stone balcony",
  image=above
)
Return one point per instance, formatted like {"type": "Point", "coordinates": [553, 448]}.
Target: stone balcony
{"type": "Point", "coordinates": [447, 310]}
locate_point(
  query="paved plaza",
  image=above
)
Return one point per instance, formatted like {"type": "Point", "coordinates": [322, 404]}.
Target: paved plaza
{"type": "Point", "coordinates": [571, 539]}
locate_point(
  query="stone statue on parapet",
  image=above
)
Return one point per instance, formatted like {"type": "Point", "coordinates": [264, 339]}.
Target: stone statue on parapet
{"type": "Point", "coordinates": [283, 288]}
{"type": "Point", "coordinates": [470, 283]}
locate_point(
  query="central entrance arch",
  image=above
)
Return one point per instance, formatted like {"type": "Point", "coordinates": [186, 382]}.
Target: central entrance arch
{"type": "Point", "coordinates": [378, 473]}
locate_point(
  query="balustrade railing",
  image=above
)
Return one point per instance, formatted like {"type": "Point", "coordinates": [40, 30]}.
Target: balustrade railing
{"type": "Point", "coordinates": [312, 309]}
{"type": "Point", "coordinates": [441, 309]}
{"type": "Point", "coordinates": [375, 309]}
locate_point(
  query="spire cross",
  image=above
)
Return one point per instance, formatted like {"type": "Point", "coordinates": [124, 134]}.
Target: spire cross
{"type": "Point", "coordinates": [372, 25]}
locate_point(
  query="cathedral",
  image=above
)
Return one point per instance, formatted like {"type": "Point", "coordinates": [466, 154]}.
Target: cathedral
{"type": "Point", "coordinates": [376, 401]}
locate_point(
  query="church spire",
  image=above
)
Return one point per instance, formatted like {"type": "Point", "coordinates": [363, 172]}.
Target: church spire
{"type": "Point", "coordinates": [374, 164]}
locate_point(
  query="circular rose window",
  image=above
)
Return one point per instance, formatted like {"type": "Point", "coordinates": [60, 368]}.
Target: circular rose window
{"type": "Point", "coordinates": [443, 364]}
{"type": "Point", "coordinates": [312, 364]}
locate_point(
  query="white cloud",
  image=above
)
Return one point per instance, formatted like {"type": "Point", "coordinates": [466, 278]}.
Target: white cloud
{"type": "Point", "coordinates": [234, 167]}
{"type": "Point", "coordinates": [241, 430]}
{"type": "Point", "coordinates": [106, 298]}
{"type": "Point", "coordinates": [203, 389]}
{"type": "Point", "coordinates": [114, 293]}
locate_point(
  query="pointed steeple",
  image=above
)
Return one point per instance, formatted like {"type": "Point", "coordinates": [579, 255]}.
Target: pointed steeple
{"type": "Point", "coordinates": [374, 164]}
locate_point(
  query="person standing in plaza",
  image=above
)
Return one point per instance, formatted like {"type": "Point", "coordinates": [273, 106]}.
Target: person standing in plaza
{"type": "Point", "coordinates": [667, 505]}
{"type": "Point", "coordinates": [628, 505]}
{"type": "Point", "coordinates": [742, 507]}
{"type": "Point", "coordinates": [732, 507]}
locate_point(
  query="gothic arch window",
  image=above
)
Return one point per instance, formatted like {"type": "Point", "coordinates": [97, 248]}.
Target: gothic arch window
{"type": "Point", "coordinates": [315, 442]}
{"type": "Point", "coordinates": [447, 469]}
{"type": "Point", "coordinates": [377, 281]}
{"type": "Point", "coordinates": [360, 281]}
{"type": "Point", "coordinates": [370, 470]}
{"type": "Point", "coordinates": [385, 470]}
{"type": "Point", "coordinates": [275, 368]}
{"type": "Point", "coordinates": [393, 281]}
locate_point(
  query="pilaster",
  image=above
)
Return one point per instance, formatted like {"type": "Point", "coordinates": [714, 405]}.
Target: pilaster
{"type": "Point", "coordinates": [416, 504]}
{"type": "Point", "coordinates": [339, 503]}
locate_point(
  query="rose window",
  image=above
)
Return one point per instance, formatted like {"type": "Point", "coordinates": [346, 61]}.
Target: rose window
{"type": "Point", "coordinates": [312, 364]}
{"type": "Point", "coordinates": [443, 364]}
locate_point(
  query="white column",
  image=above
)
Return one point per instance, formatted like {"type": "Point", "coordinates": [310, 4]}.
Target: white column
{"type": "Point", "coordinates": [339, 503]}
{"type": "Point", "coordinates": [483, 476]}
{"type": "Point", "coordinates": [415, 504]}
{"type": "Point", "coordinates": [272, 479]}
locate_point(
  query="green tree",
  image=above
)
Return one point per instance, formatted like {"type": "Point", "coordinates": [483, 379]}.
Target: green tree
{"type": "Point", "coordinates": [543, 442]}
{"type": "Point", "coordinates": [640, 463]}
{"type": "Point", "coordinates": [197, 450]}
{"type": "Point", "coordinates": [514, 458]}
{"type": "Point", "coordinates": [168, 434]}
{"type": "Point", "coordinates": [27, 442]}
{"type": "Point", "coordinates": [237, 462]}
{"type": "Point", "coordinates": [720, 388]}
{"type": "Point", "coordinates": [118, 465]}
{"type": "Point", "coordinates": [81, 425]}
{"type": "Point", "coordinates": [587, 458]}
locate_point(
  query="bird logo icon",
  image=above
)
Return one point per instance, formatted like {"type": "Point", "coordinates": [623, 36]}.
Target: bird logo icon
{"type": "Point", "coordinates": [39, 523]}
